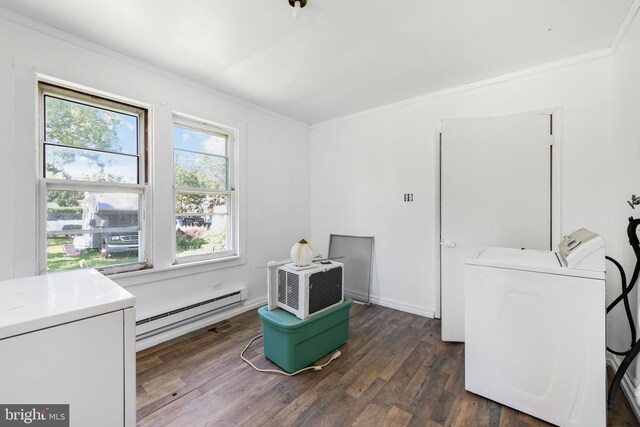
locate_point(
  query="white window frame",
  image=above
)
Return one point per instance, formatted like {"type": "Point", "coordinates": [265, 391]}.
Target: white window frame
{"type": "Point", "coordinates": [141, 188]}
{"type": "Point", "coordinates": [233, 217]}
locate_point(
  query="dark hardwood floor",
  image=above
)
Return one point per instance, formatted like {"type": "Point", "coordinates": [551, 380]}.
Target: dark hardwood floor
{"type": "Point", "coordinates": [394, 371]}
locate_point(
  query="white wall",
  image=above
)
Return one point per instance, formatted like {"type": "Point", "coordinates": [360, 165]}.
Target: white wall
{"type": "Point", "coordinates": [274, 182]}
{"type": "Point", "coordinates": [626, 138]}
{"type": "Point", "coordinates": [362, 165]}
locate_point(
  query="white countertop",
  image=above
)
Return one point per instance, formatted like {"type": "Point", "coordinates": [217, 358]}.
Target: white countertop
{"type": "Point", "coordinates": [33, 303]}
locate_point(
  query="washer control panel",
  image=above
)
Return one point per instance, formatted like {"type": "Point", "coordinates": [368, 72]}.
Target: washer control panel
{"type": "Point", "coordinates": [583, 249]}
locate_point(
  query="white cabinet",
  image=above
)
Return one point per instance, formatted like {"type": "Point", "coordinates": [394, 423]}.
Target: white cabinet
{"type": "Point", "coordinates": [68, 338]}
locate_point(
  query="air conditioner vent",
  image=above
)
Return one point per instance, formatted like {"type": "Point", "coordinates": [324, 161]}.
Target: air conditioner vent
{"type": "Point", "coordinates": [282, 286]}
{"type": "Point", "coordinates": [325, 289]}
{"type": "Point", "coordinates": [293, 291]}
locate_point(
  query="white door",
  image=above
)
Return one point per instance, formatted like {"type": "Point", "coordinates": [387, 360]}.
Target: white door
{"type": "Point", "coordinates": [495, 190]}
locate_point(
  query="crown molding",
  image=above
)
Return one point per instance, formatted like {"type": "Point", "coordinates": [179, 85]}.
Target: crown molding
{"type": "Point", "coordinates": [624, 27]}
{"type": "Point", "coordinates": [539, 69]}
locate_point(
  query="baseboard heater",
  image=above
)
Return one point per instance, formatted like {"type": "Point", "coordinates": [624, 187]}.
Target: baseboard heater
{"type": "Point", "coordinates": [162, 322]}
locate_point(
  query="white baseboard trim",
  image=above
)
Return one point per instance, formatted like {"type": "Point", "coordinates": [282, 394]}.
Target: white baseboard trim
{"type": "Point", "coordinates": [201, 323]}
{"type": "Point", "coordinates": [397, 305]}
{"type": "Point", "coordinates": [627, 385]}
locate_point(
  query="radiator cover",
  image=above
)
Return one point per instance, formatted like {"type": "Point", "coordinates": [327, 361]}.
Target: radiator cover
{"type": "Point", "coordinates": [309, 291]}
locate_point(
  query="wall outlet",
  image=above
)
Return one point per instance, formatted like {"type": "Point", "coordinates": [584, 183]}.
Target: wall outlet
{"type": "Point", "coordinates": [408, 197]}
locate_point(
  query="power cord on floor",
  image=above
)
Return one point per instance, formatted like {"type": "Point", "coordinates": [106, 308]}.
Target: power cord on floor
{"type": "Point", "coordinates": [334, 356]}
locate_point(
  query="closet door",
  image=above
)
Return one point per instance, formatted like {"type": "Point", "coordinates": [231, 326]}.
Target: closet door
{"type": "Point", "coordinates": [495, 191]}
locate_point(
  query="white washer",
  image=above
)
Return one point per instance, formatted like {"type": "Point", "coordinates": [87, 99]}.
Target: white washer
{"type": "Point", "coordinates": [535, 330]}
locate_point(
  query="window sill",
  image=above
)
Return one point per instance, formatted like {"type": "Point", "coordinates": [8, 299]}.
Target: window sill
{"type": "Point", "coordinates": [139, 277]}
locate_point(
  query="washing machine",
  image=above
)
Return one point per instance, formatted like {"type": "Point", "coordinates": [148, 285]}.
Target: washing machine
{"type": "Point", "coordinates": [535, 329]}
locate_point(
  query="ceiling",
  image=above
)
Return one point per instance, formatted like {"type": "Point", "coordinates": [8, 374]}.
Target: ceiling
{"type": "Point", "coordinates": [341, 56]}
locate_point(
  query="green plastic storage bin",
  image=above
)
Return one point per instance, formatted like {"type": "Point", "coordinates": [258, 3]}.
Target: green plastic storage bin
{"type": "Point", "coordinates": [293, 344]}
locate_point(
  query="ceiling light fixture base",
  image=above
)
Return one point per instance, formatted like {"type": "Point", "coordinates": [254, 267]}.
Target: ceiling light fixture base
{"type": "Point", "coordinates": [303, 3]}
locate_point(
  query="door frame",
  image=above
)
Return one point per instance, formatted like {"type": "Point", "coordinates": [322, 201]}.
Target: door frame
{"type": "Point", "coordinates": [556, 191]}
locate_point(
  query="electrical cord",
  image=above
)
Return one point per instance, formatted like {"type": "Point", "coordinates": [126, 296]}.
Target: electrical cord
{"type": "Point", "coordinates": [634, 278]}
{"type": "Point", "coordinates": [630, 354]}
{"type": "Point", "coordinates": [622, 369]}
{"type": "Point", "coordinates": [624, 296]}
{"type": "Point", "coordinates": [334, 356]}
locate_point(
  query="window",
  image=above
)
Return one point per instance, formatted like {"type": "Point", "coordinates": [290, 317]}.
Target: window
{"type": "Point", "coordinates": [204, 180]}
{"type": "Point", "coordinates": [93, 177]}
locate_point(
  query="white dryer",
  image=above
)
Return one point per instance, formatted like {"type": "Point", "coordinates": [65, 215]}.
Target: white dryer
{"type": "Point", "coordinates": [535, 330]}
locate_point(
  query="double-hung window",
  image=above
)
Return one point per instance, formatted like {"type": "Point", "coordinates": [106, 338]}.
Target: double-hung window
{"type": "Point", "coordinates": [204, 182]}
{"type": "Point", "coordinates": [93, 176]}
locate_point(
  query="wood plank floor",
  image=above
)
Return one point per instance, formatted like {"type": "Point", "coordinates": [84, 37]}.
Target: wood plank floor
{"type": "Point", "coordinates": [394, 371]}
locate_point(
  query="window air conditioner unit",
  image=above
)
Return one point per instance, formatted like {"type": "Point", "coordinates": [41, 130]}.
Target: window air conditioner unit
{"type": "Point", "coordinates": [305, 291]}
